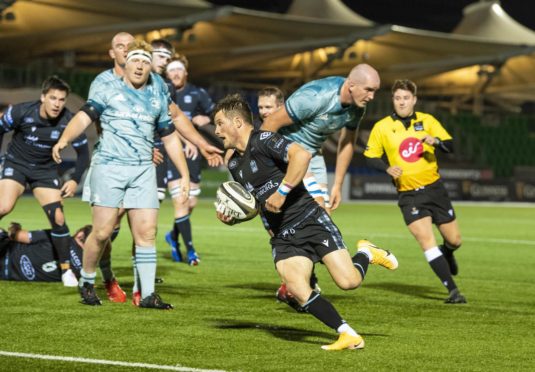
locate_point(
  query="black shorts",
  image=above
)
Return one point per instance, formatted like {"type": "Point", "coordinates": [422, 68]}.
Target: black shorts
{"type": "Point", "coordinates": [194, 167]}
{"type": "Point", "coordinates": [431, 200]}
{"type": "Point", "coordinates": [34, 176]}
{"type": "Point", "coordinates": [315, 237]}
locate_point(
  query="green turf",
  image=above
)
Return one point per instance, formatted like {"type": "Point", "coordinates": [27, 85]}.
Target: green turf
{"type": "Point", "coordinates": [226, 316]}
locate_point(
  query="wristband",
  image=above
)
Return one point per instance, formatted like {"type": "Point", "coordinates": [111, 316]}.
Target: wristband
{"type": "Point", "coordinates": [284, 188]}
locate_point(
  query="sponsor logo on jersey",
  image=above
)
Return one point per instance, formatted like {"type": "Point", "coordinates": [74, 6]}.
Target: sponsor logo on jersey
{"type": "Point", "coordinates": [32, 138]}
{"type": "Point", "coordinates": [279, 143]}
{"type": "Point", "coordinates": [55, 134]}
{"type": "Point", "coordinates": [28, 120]}
{"type": "Point", "coordinates": [266, 187]}
{"type": "Point", "coordinates": [265, 135]}
{"type": "Point", "coordinates": [418, 126]}
{"type": "Point", "coordinates": [411, 149]}
{"type": "Point", "coordinates": [49, 267]}
{"type": "Point", "coordinates": [26, 267]}
{"type": "Point", "coordinates": [254, 167]}
{"type": "Point", "coordinates": [120, 98]}
{"type": "Point", "coordinates": [187, 98]}
{"type": "Point", "coordinates": [75, 259]}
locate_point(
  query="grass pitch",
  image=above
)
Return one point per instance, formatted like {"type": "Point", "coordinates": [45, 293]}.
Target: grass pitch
{"type": "Point", "coordinates": [226, 316]}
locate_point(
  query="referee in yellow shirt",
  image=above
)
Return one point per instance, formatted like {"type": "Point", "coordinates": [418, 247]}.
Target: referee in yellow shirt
{"type": "Point", "coordinates": [410, 139]}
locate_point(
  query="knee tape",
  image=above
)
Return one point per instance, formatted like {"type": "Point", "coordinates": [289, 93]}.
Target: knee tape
{"type": "Point", "coordinates": [50, 211]}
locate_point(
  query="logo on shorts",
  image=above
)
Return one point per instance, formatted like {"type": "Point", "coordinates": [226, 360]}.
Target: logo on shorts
{"type": "Point", "coordinates": [232, 164]}
{"type": "Point", "coordinates": [411, 149]}
{"type": "Point", "coordinates": [55, 134]}
{"type": "Point", "coordinates": [34, 128]}
{"type": "Point", "coordinates": [450, 212]}
{"type": "Point", "coordinates": [8, 172]}
{"type": "Point", "coordinates": [26, 267]}
{"type": "Point", "coordinates": [56, 182]}
{"type": "Point", "coordinates": [326, 242]}
{"type": "Point", "coordinates": [49, 267]}
{"type": "Point", "coordinates": [241, 173]}
{"type": "Point", "coordinates": [249, 187]}
{"type": "Point", "coordinates": [415, 211]}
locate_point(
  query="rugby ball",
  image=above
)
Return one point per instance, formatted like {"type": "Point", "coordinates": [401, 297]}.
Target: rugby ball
{"type": "Point", "coordinates": [240, 203]}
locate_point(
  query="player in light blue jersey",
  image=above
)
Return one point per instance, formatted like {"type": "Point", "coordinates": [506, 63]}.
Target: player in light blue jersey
{"type": "Point", "coordinates": [123, 176]}
{"type": "Point", "coordinates": [322, 107]}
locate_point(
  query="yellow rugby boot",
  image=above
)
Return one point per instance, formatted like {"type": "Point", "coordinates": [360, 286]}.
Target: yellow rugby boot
{"type": "Point", "coordinates": [346, 341]}
{"type": "Point", "coordinates": [379, 256]}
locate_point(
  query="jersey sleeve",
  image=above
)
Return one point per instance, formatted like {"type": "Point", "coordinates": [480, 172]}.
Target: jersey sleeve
{"type": "Point", "coordinates": [374, 147]}
{"type": "Point", "coordinates": [436, 129]}
{"type": "Point", "coordinates": [11, 119]}
{"type": "Point", "coordinates": [273, 145]}
{"type": "Point", "coordinates": [302, 104]}
{"type": "Point", "coordinates": [164, 124]}
{"type": "Point", "coordinates": [98, 100]}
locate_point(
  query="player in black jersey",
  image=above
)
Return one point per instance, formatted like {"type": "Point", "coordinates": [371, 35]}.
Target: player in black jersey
{"type": "Point", "coordinates": [37, 127]}
{"type": "Point", "coordinates": [272, 168]}
{"type": "Point", "coordinates": [30, 256]}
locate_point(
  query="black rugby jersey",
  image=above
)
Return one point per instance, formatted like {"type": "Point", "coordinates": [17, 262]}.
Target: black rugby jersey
{"type": "Point", "coordinates": [34, 137]}
{"type": "Point", "coordinates": [194, 101]}
{"type": "Point", "coordinates": [37, 262]}
{"type": "Point", "coordinates": [261, 169]}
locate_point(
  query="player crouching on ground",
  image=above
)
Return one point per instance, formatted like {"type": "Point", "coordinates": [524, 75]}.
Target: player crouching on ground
{"type": "Point", "coordinates": [31, 256]}
{"type": "Point", "coordinates": [272, 169]}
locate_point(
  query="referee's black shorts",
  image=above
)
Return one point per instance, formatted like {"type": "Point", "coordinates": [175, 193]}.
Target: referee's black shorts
{"type": "Point", "coordinates": [42, 176]}
{"type": "Point", "coordinates": [315, 237]}
{"type": "Point", "coordinates": [431, 200]}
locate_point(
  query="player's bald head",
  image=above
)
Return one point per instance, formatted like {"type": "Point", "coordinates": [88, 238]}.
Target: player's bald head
{"type": "Point", "coordinates": [363, 73]}
{"type": "Point", "coordinates": [121, 36]}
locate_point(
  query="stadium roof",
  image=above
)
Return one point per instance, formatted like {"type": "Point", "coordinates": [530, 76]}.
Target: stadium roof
{"type": "Point", "coordinates": [315, 38]}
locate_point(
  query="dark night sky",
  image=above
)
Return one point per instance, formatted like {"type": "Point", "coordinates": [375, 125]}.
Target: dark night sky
{"type": "Point", "coordinates": [437, 15]}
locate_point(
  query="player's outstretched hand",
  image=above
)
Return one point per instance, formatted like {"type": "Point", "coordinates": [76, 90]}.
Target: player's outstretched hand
{"type": "Point", "coordinates": [68, 189]}
{"type": "Point", "coordinates": [212, 155]}
{"type": "Point", "coordinates": [56, 150]}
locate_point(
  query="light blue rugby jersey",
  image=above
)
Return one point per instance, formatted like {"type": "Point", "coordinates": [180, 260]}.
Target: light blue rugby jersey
{"type": "Point", "coordinates": [316, 112]}
{"type": "Point", "coordinates": [129, 118]}
{"type": "Point", "coordinates": [109, 75]}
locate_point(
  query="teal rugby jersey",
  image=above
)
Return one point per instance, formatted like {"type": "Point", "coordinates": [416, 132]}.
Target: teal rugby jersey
{"type": "Point", "coordinates": [316, 112]}
{"type": "Point", "coordinates": [129, 117]}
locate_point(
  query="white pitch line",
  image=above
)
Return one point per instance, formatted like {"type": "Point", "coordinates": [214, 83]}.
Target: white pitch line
{"type": "Point", "coordinates": [106, 362]}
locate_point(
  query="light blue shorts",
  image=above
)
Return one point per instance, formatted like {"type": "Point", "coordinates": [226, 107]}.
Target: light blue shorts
{"type": "Point", "coordinates": [121, 186]}
{"type": "Point", "coordinates": [318, 168]}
